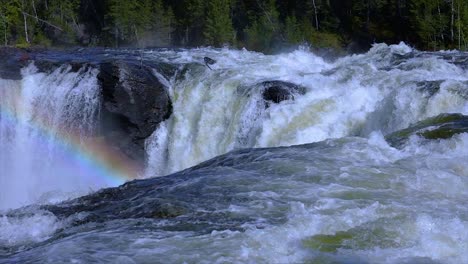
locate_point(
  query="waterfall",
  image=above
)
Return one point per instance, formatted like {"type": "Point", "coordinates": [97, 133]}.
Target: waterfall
{"type": "Point", "coordinates": [219, 110]}
{"type": "Point", "coordinates": [41, 118]}
{"type": "Point", "coordinates": [47, 119]}
{"type": "Point", "coordinates": [288, 158]}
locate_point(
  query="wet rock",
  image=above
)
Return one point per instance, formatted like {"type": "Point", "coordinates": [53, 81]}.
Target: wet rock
{"type": "Point", "coordinates": [48, 66]}
{"type": "Point", "coordinates": [134, 100]}
{"type": "Point", "coordinates": [11, 62]}
{"type": "Point", "coordinates": [429, 87]}
{"type": "Point", "coordinates": [440, 127]}
{"type": "Point", "coordinates": [165, 69]}
{"type": "Point", "coordinates": [209, 61]}
{"type": "Point", "coordinates": [124, 202]}
{"type": "Point", "coordinates": [278, 91]}
{"type": "Point", "coordinates": [196, 199]}
{"type": "Point", "coordinates": [456, 58]}
{"type": "Point", "coordinates": [134, 103]}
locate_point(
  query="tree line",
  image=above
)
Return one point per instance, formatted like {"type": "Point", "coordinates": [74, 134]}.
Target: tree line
{"type": "Point", "coordinates": [263, 25]}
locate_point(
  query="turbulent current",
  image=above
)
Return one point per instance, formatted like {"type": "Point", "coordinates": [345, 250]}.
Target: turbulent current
{"type": "Point", "coordinates": [315, 177]}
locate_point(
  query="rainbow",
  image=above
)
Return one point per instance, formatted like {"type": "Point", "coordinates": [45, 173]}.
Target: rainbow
{"type": "Point", "coordinates": [93, 155]}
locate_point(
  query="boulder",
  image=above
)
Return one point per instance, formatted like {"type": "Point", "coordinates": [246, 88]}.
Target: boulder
{"type": "Point", "coordinates": [209, 61]}
{"type": "Point", "coordinates": [439, 127]}
{"type": "Point", "coordinates": [278, 91]}
{"type": "Point", "coordinates": [429, 88]}
{"type": "Point", "coordinates": [134, 103]}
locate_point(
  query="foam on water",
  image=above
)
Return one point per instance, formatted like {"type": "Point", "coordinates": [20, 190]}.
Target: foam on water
{"type": "Point", "coordinates": [376, 204]}
{"type": "Point", "coordinates": [386, 89]}
{"type": "Point", "coordinates": [350, 198]}
{"type": "Point", "coordinates": [17, 231]}
{"type": "Point", "coordinates": [427, 223]}
{"type": "Point", "coordinates": [45, 122]}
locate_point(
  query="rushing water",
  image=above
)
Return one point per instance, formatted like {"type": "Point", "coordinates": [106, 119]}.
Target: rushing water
{"type": "Point", "coordinates": [36, 115]}
{"type": "Point", "coordinates": [386, 89]}
{"type": "Point", "coordinates": [349, 197]}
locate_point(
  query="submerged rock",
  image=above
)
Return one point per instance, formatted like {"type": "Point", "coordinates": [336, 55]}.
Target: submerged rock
{"type": "Point", "coordinates": [208, 61]}
{"type": "Point", "coordinates": [439, 127]}
{"type": "Point", "coordinates": [273, 91]}
{"type": "Point", "coordinates": [429, 87]}
{"type": "Point", "coordinates": [278, 91]}
{"type": "Point", "coordinates": [120, 203]}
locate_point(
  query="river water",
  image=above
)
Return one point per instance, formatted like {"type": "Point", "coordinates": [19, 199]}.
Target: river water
{"type": "Point", "coordinates": [306, 180]}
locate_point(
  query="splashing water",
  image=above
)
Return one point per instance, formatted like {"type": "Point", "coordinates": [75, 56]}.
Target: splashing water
{"type": "Point", "coordinates": [46, 121]}
{"type": "Point", "coordinates": [381, 90]}
{"type": "Point", "coordinates": [347, 198]}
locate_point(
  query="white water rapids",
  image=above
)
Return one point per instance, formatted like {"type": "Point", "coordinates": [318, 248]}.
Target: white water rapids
{"type": "Point", "coordinates": [352, 96]}
{"type": "Point", "coordinates": [349, 198]}
{"type": "Point", "coordinates": [36, 114]}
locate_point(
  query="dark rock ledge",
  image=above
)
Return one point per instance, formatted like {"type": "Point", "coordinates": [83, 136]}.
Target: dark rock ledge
{"type": "Point", "coordinates": [134, 101]}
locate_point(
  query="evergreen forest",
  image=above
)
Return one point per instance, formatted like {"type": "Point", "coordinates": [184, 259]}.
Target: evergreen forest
{"type": "Point", "coordinates": [261, 25]}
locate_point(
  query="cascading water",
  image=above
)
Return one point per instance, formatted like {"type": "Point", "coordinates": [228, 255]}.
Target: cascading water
{"type": "Point", "coordinates": [350, 197]}
{"type": "Point", "coordinates": [41, 117]}
{"type": "Point", "coordinates": [216, 111]}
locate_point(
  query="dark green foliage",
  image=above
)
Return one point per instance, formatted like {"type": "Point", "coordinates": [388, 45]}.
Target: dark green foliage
{"type": "Point", "coordinates": [39, 22]}
{"type": "Point", "coordinates": [265, 30]}
{"type": "Point", "coordinates": [218, 29]}
{"type": "Point", "coordinates": [264, 25]}
{"type": "Point", "coordinates": [428, 25]}
{"type": "Point", "coordinates": [140, 22]}
{"type": "Point", "coordinates": [4, 34]}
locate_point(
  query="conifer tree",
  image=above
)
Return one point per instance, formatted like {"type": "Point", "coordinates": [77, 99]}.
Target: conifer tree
{"type": "Point", "coordinates": [218, 28]}
{"type": "Point", "coordinates": [163, 23]}
{"type": "Point", "coordinates": [193, 20]}
{"type": "Point", "coordinates": [124, 16]}
{"type": "Point", "coordinates": [158, 26]}
{"type": "Point", "coordinates": [265, 31]}
{"type": "Point", "coordinates": [62, 20]}
{"type": "Point", "coordinates": [257, 24]}
{"type": "Point", "coordinates": [425, 23]}
{"type": "Point", "coordinates": [462, 24]}
{"type": "Point", "coordinates": [4, 26]}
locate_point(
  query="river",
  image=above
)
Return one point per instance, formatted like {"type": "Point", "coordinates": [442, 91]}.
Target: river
{"type": "Point", "coordinates": [231, 177]}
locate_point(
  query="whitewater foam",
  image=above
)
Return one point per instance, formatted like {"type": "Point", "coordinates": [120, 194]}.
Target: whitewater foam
{"type": "Point", "coordinates": [38, 114]}
{"type": "Point", "coordinates": [353, 96]}
{"type": "Point", "coordinates": [15, 231]}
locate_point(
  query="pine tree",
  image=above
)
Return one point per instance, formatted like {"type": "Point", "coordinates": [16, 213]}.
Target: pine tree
{"type": "Point", "coordinates": [425, 22]}
{"type": "Point", "coordinates": [62, 20]}
{"type": "Point", "coordinates": [163, 23]}
{"type": "Point", "coordinates": [4, 26]}
{"type": "Point", "coordinates": [293, 30]}
{"type": "Point", "coordinates": [11, 10]}
{"type": "Point", "coordinates": [193, 22]}
{"type": "Point", "coordinates": [218, 29]}
{"type": "Point", "coordinates": [157, 27]}
{"type": "Point", "coordinates": [124, 16]}
{"type": "Point", "coordinates": [461, 25]}
{"type": "Point", "coordinates": [265, 31]}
